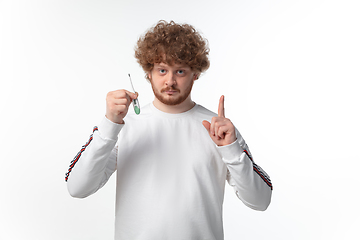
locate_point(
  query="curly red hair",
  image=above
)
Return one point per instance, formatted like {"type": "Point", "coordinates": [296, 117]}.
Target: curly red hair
{"type": "Point", "coordinates": [172, 43]}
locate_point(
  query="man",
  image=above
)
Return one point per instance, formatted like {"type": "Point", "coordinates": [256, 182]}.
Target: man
{"type": "Point", "coordinates": [172, 160]}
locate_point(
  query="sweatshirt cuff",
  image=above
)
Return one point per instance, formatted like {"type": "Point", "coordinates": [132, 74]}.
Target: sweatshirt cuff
{"type": "Point", "coordinates": [231, 153]}
{"type": "Point", "coordinates": [109, 129]}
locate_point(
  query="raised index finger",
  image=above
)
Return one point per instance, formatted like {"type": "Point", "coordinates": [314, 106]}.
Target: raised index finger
{"type": "Point", "coordinates": [221, 109]}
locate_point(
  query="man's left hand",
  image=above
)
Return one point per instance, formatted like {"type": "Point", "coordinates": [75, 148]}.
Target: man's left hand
{"type": "Point", "coordinates": [221, 129]}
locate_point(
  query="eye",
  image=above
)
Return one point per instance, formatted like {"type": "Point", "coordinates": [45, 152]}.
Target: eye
{"type": "Point", "coordinates": [162, 71]}
{"type": "Point", "coordinates": [181, 72]}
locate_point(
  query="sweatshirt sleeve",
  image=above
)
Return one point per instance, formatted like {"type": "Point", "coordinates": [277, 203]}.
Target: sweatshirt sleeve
{"type": "Point", "coordinates": [250, 182]}
{"type": "Point", "coordinates": [95, 162]}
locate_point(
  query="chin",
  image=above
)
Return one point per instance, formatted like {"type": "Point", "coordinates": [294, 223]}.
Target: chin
{"type": "Point", "coordinates": [171, 102]}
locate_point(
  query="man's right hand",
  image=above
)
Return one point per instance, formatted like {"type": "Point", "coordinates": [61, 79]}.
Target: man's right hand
{"type": "Point", "coordinates": [117, 105]}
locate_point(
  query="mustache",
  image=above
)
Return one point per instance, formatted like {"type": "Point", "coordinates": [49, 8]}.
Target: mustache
{"type": "Point", "coordinates": [169, 89]}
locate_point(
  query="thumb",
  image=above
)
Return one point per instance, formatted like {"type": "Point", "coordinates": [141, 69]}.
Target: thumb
{"type": "Point", "coordinates": [207, 125]}
{"type": "Point", "coordinates": [132, 95]}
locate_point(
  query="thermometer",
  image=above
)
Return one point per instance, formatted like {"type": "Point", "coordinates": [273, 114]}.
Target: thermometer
{"type": "Point", "coordinates": [135, 101]}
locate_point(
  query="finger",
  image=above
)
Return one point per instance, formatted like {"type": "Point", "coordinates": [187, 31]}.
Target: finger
{"type": "Point", "coordinates": [132, 95]}
{"type": "Point", "coordinates": [207, 125]}
{"type": "Point", "coordinates": [213, 126]}
{"type": "Point", "coordinates": [122, 98]}
{"type": "Point", "coordinates": [122, 101]}
{"type": "Point", "coordinates": [221, 109]}
{"type": "Point", "coordinates": [129, 96]}
{"type": "Point", "coordinates": [220, 129]}
{"type": "Point", "coordinates": [123, 93]}
{"type": "Point", "coordinates": [121, 109]}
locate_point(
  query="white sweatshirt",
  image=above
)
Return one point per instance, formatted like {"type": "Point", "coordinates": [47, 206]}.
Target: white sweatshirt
{"type": "Point", "coordinates": [170, 175]}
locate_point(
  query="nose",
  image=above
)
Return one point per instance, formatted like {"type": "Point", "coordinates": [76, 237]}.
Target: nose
{"type": "Point", "coordinates": [170, 80]}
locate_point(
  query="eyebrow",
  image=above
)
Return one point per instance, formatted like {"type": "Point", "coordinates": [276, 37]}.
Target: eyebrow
{"type": "Point", "coordinates": [183, 66]}
{"type": "Point", "coordinates": [162, 65]}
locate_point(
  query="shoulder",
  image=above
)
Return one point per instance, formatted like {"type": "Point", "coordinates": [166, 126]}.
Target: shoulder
{"type": "Point", "coordinates": [204, 113]}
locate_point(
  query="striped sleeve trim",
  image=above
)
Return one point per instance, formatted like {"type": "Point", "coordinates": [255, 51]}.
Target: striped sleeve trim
{"type": "Point", "coordinates": [260, 172]}
{"type": "Point", "coordinates": [74, 161]}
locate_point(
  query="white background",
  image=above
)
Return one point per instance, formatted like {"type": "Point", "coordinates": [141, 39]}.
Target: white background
{"type": "Point", "coordinates": [289, 71]}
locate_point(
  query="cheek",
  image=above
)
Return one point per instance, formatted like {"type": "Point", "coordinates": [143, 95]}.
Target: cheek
{"type": "Point", "coordinates": [156, 85]}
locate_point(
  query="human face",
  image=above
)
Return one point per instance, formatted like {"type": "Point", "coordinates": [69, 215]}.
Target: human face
{"type": "Point", "coordinates": [172, 84]}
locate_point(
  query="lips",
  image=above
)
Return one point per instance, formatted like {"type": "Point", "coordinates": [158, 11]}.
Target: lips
{"type": "Point", "coordinates": [169, 91]}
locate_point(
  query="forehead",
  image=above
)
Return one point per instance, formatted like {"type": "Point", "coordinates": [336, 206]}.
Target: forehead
{"type": "Point", "coordinates": [176, 65]}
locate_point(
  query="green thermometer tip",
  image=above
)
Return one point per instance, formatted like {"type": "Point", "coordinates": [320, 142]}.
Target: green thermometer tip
{"type": "Point", "coordinates": [135, 101]}
{"type": "Point", "coordinates": [137, 110]}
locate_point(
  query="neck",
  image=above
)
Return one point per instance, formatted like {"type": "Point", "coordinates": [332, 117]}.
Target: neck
{"type": "Point", "coordinates": [179, 108]}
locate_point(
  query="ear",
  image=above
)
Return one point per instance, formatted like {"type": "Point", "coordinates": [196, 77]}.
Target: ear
{"type": "Point", "coordinates": [196, 76]}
